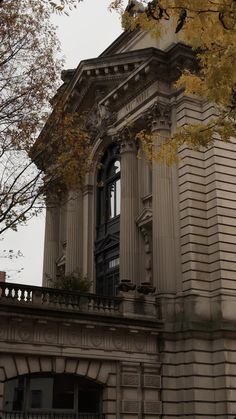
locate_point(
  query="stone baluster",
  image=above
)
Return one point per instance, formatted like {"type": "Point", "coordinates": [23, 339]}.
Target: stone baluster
{"type": "Point", "coordinates": [164, 247]}
{"type": "Point", "coordinates": [129, 207]}
{"type": "Point", "coordinates": [51, 241]}
{"type": "Point", "coordinates": [74, 233]}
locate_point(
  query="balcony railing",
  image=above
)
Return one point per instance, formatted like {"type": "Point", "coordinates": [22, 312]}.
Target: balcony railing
{"type": "Point", "coordinates": [54, 299]}
{"type": "Point", "coordinates": [49, 415]}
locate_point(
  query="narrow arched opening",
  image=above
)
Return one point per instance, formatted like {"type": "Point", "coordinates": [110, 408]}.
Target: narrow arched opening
{"type": "Point", "coordinates": [108, 222]}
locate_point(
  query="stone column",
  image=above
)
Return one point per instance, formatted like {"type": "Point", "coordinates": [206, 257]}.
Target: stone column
{"type": "Point", "coordinates": [88, 231]}
{"type": "Point", "coordinates": [51, 241]}
{"type": "Point", "coordinates": [164, 247]}
{"type": "Point", "coordinates": [74, 233]}
{"type": "Point", "coordinates": [129, 208]}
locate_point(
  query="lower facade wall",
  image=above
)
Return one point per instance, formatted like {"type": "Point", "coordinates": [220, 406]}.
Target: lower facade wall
{"type": "Point", "coordinates": [131, 389]}
{"type": "Point", "coordinates": [198, 377]}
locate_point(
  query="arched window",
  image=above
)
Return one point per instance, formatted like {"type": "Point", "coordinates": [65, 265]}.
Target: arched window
{"type": "Point", "coordinates": [41, 395]}
{"type": "Point", "coordinates": [108, 222]}
{"type": "Point", "coordinates": [113, 190]}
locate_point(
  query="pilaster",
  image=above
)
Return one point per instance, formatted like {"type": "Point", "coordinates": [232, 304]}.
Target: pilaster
{"type": "Point", "coordinates": [88, 230]}
{"type": "Point", "coordinates": [51, 241]}
{"type": "Point", "coordinates": [74, 247]}
{"type": "Point", "coordinates": [129, 207]}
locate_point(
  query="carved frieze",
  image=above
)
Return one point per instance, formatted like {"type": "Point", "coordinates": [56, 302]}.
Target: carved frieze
{"type": "Point", "coordinates": [97, 339]}
{"type": "Point", "coordinates": [50, 335]}
{"type": "Point", "coordinates": [78, 336]}
{"type": "Point", "coordinates": [3, 331]}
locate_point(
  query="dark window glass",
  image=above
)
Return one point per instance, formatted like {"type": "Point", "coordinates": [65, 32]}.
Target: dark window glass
{"type": "Point", "coordinates": [44, 392]}
{"type": "Point", "coordinates": [40, 391]}
{"type": "Point", "coordinates": [88, 401]}
{"type": "Point", "coordinates": [63, 392]}
{"type": "Point", "coordinates": [18, 398]}
{"type": "Point", "coordinates": [36, 399]}
{"type": "Point", "coordinates": [108, 222]}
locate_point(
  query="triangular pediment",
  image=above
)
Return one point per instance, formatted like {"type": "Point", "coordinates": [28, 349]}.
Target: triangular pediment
{"type": "Point", "coordinates": [109, 241]}
{"type": "Point", "coordinates": [144, 218]}
{"type": "Point", "coordinates": [103, 74]}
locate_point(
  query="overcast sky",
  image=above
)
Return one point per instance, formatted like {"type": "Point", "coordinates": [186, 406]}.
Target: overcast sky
{"type": "Point", "coordinates": [84, 34]}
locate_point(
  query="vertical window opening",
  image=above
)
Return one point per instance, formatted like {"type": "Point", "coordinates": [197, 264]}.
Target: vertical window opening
{"type": "Point", "coordinates": [108, 223]}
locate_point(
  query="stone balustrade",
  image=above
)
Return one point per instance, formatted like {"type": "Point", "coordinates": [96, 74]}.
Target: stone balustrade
{"type": "Point", "coordinates": [132, 302]}
{"type": "Point", "coordinates": [50, 298]}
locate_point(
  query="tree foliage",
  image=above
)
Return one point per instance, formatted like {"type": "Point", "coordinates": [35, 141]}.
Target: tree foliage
{"type": "Point", "coordinates": [29, 68]}
{"type": "Point", "coordinates": [209, 26]}
{"type": "Point", "coordinates": [28, 74]}
{"type": "Point", "coordinates": [62, 6]}
{"type": "Point", "coordinates": [71, 282]}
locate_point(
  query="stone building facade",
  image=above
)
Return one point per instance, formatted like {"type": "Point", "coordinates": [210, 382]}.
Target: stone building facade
{"type": "Point", "coordinates": [155, 337]}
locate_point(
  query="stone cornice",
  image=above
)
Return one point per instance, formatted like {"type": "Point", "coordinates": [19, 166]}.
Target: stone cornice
{"type": "Point", "coordinates": [131, 68]}
{"type": "Point", "coordinates": [104, 67]}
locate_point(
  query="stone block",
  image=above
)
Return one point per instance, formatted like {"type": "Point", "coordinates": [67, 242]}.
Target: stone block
{"type": "Point", "coordinates": [21, 365]}
{"type": "Point", "coordinates": [34, 364]}
{"type": "Point", "coordinates": [59, 365]}
{"type": "Point", "coordinates": [109, 406]}
{"type": "Point", "coordinates": [82, 367]}
{"type": "Point", "coordinates": [130, 406]}
{"type": "Point", "coordinates": [9, 366]}
{"type": "Point", "coordinates": [46, 364]}
{"type": "Point", "coordinates": [109, 393]}
{"type": "Point", "coordinates": [93, 369]}
{"type": "Point", "coordinates": [152, 407]}
{"type": "Point", "coordinates": [152, 381]}
{"type": "Point", "coordinates": [111, 382]}
{"type": "Point", "coordinates": [71, 366]}
{"type": "Point", "coordinates": [2, 374]}
{"type": "Point", "coordinates": [105, 370]}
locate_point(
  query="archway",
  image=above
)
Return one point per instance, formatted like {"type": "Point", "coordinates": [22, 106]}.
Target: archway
{"type": "Point", "coordinates": [58, 396]}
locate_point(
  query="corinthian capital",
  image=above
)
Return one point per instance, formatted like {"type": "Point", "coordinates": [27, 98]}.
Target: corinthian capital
{"type": "Point", "coordinates": [126, 139]}
{"type": "Point", "coordinates": [159, 117]}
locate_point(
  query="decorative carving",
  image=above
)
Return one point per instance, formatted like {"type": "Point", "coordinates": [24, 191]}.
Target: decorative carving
{"type": "Point", "coordinates": [73, 337]}
{"type": "Point", "coordinates": [152, 407]}
{"type": "Point", "coordinates": [140, 343]}
{"type": "Point", "coordinates": [152, 381]}
{"type": "Point", "coordinates": [147, 236]}
{"type": "Point", "coordinates": [130, 380]}
{"type": "Point", "coordinates": [146, 288]}
{"type": "Point", "coordinates": [50, 335]}
{"type": "Point", "coordinates": [126, 139]}
{"type": "Point", "coordinates": [118, 341]}
{"type": "Point", "coordinates": [159, 117]}
{"type": "Point", "coordinates": [96, 339]}
{"type": "Point", "coordinates": [100, 115]}
{"type": "Point", "coordinates": [126, 285]}
{"type": "Point", "coordinates": [130, 406]}
{"type": "Point", "coordinates": [24, 333]}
